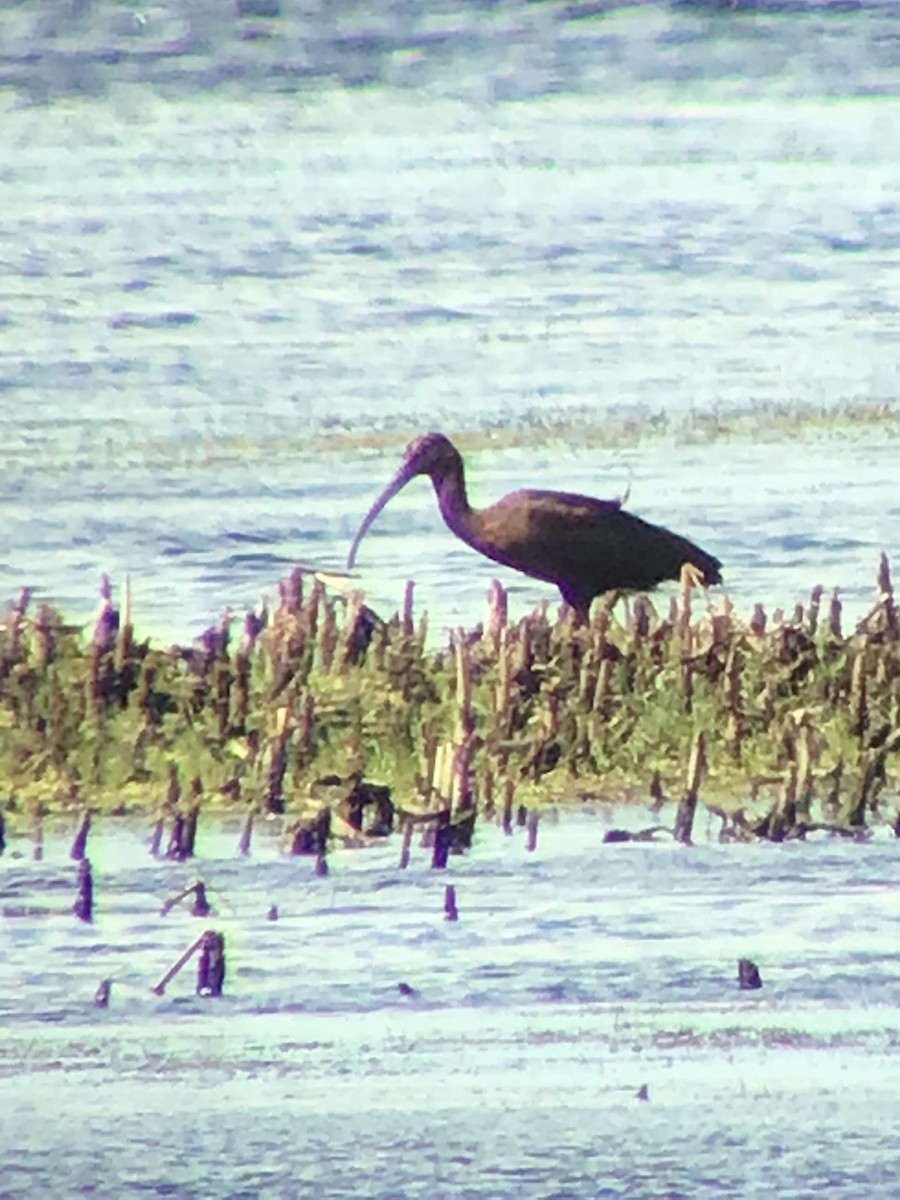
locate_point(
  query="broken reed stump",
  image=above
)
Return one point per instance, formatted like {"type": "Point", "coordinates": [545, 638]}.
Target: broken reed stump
{"type": "Point", "coordinates": [176, 837]}
{"type": "Point", "coordinates": [657, 795]}
{"type": "Point", "coordinates": [243, 847]}
{"type": "Point", "coordinates": [859, 715]}
{"type": "Point", "coordinates": [405, 843]}
{"type": "Point", "coordinates": [509, 794]}
{"type": "Point", "coordinates": [183, 834]}
{"type": "Point", "coordinates": [790, 817]}
{"type": "Point", "coordinates": [237, 704]}
{"type": "Point", "coordinates": [156, 836]}
{"type": "Point", "coordinates": [487, 795]}
{"type": "Point", "coordinates": [462, 792]}
{"type": "Point", "coordinates": [211, 964]}
{"type": "Point", "coordinates": [101, 996]}
{"type": "Point", "coordinates": [84, 901]}
{"type": "Point", "coordinates": [37, 837]}
{"type": "Point", "coordinates": [79, 843]}
{"type": "Point", "coordinates": [532, 830]}
{"type": "Point", "coordinates": [734, 701]}
{"type": "Point", "coordinates": [310, 836]}
{"type": "Point", "coordinates": [684, 817]}
{"type": "Point", "coordinates": [685, 634]}
{"type": "Point", "coordinates": [451, 913]}
{"type": "Point", "coordinates": [748, 975]}
{"type": "Point", "coordinates": [458, 789]}
{"type": "Point", "coordinates": [365, 798]}
{"type": "Point", "coordinates": [873, 777]}
{"type": "Point", "coordinates": [441, 847]}
{"type": "Point", "coordinates": [440, 788]}
{"type": "Point", "coordinates": [278, 763]}
{"type": "Point", "coordinates": [407, 625]}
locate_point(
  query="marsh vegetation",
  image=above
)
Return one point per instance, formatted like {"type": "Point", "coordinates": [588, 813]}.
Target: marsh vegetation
{"type": "Point", "coordinates": [782, 721]}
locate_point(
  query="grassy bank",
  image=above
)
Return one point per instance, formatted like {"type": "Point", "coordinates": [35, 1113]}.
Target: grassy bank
{"type": "Point", "coordinates": [543, 426]}
{"type": "Point", "coordinates": [792, 720]}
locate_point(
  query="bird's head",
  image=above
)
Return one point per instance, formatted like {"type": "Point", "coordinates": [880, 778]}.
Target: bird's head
{"type": "Point", "coordinates": [431, 454]}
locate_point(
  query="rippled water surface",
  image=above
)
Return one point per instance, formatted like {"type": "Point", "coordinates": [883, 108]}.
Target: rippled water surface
{"type": "Point", "coordinates": [236, 239]}
{"type": "Point", "coordinates": [240, 243]}
{"type": "Point", "coordinates": [575, 975]}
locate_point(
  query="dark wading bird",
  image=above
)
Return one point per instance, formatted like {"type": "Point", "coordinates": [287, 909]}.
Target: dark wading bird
{"type": "Point", "coordinates": [584, 546]}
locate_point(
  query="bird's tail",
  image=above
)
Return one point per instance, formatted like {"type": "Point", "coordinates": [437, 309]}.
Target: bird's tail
{"type": "Point", "coordinates": [709, 565]}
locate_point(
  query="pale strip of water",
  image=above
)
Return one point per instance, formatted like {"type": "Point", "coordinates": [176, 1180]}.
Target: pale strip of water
{"type": "Point", "coordinates": [574, 975]}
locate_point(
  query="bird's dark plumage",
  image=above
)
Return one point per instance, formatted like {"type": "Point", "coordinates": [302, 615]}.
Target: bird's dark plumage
{"type": "Point", "coordinates": [584, 546]}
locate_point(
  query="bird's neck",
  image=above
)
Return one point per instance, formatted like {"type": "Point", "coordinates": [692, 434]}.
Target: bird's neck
{"type": "Point", "coordinates": [454, 503]}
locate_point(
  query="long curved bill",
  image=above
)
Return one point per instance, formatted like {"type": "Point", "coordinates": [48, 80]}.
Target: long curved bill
{"type": "Point", "coordinates": [403, 476]}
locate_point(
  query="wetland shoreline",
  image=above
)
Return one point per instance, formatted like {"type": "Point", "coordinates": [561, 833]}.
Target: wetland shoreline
{"type": "Point", "coordinates": [779, 723]}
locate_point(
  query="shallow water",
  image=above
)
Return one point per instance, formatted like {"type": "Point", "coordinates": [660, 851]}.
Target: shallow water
{"type": "Point", "coordinates": [231, 240]}
{"type": "Point", "coordinates": [231, 246]}
{"type": "Point", "coordinates": [574, 975]}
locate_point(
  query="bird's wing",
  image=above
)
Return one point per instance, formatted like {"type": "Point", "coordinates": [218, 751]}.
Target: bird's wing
{"type": "Point", "coordinates": [549, 534]}
{"type": "Point", "coordinates": [590, 545]}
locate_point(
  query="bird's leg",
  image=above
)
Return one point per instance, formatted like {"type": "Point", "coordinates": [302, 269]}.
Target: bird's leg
{"type": "Point", "coordinates": [578, 606]}
{"type": "Point", "coordinates": [691, 576]}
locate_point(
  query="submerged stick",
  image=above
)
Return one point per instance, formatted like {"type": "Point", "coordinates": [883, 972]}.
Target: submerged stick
{"type": "Point", "coordinates": [200, 907]}
{"type": "Point", "coordinates": [160, 986]}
